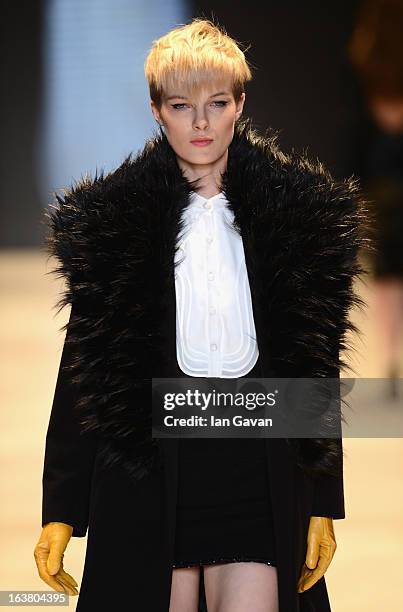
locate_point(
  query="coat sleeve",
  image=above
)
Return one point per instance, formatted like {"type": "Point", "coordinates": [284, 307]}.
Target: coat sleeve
{"type": "Point", "coordinates": [328, 499]}
{"type": "Point", "coordinates": [69, 456]}
{"type": "Point", "coordinates": [329, 496]}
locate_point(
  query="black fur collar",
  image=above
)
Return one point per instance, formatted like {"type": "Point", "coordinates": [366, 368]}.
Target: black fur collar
{"type": "Point", "coordinates": [114, 238]}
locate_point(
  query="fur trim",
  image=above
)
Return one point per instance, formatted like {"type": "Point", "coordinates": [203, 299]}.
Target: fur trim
{"type": "Point", "coordinates": [114, 238]}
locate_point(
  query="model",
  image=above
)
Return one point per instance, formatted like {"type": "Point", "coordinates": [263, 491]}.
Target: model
{"type": "Point", "coordinates": [376, 52]}
{"type": "Point", "coordinates": [209, 254]}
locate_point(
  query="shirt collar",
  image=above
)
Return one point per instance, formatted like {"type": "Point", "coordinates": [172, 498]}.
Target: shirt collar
{"type": "Point", "coordinates": [217, 201]}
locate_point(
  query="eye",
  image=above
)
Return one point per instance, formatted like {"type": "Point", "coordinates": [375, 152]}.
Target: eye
{"type": "Point", "coordinates": [220, 103]}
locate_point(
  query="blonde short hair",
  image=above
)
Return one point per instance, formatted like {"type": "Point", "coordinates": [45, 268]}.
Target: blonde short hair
{"type": "Point", "coordinates": [193, 55]}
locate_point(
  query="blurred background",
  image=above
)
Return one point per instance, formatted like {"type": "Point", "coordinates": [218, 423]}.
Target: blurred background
{"type": "Point", "coordinates": [329, 76]}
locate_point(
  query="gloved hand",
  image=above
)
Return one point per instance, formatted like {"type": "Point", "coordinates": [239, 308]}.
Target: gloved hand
{"type": "Point", "coordinates": [321, 548]}
{"type": "Point", "coordinates": [49, 552]}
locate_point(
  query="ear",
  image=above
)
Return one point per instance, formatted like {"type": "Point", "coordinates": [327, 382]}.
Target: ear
{"type": "Point", "coordinates": [155, 112]}
{"type": "Point", "coordinates": [239, 106]}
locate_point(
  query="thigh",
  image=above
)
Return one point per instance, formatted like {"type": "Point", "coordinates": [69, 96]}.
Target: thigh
{"type": "Point", "coordinates": [185, 589]}
{"type": "Point", "coordinates": [241, 586]}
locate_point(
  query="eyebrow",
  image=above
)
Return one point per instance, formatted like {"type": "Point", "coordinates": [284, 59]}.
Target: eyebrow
{"type": "Point", "coordinates": [220, 93]}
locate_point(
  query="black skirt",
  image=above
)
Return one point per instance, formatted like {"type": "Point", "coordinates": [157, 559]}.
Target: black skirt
{"type": "Point", "coordinates": [224, 509]}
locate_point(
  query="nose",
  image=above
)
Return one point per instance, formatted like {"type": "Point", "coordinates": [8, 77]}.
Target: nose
{"type": "Point", "coordinates": [200, 122]}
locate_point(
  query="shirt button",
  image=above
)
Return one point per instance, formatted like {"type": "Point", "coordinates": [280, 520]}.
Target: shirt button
{"type": "Point", "coordinates": [209, 239]}
{"type": "Point", "coordinates": [212, 310]}
{"type": "Point", "coordinates": [207, 205]}
{"type": "Point", "coordinates": [211, 275]}
{"type": "Point", "coordinates": [213, 347]}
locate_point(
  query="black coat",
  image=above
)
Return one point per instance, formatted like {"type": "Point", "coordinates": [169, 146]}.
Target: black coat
{"type": "Point", "coordinates": [114, 237]}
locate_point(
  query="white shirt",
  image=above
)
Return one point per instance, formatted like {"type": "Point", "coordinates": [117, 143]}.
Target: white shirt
{"type": "Point", "coordinates": [215, 330]}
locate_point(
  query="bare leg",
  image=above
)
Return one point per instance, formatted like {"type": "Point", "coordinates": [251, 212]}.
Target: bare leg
{"type": "Point", "coordinates": [241, 587]}
{"type": "Point", "coordinates": [185, 589]}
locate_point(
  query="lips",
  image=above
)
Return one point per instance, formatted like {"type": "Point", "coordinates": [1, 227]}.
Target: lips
{"type": "Point", "coordinates": [201, 142]}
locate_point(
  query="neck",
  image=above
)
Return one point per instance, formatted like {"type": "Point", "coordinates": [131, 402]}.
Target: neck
{"type": "Point", "coordinates": [208, 176]}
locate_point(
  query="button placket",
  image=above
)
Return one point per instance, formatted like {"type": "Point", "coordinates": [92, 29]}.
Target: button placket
{"type": "Point", "coordinates": [211, 258]}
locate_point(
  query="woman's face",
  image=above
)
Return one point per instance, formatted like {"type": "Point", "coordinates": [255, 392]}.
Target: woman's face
{"type": "Point", "coordinates": [209, 113]}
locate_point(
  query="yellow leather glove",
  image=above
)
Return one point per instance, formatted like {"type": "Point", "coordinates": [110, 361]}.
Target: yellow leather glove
{"type": "Point", "coordinates": [321, 548]}
{"type": "Point", "coordinates": [49, 552]}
